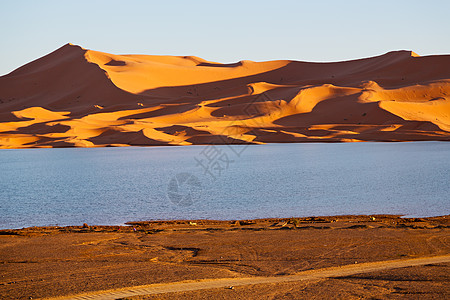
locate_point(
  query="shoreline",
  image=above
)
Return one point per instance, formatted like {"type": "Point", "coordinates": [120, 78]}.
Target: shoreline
{"type": "Point", "coordinates": [290, 222]}
{"type": "Point", "coordinates": [349, 141]}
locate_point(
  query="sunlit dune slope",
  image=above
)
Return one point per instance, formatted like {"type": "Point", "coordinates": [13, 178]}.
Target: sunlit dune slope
{"type": "Point", "coordinates": [84, 98]}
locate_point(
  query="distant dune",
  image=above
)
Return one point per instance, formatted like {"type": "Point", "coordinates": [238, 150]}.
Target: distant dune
{"type": "Point", "coordinates": [75, 97]}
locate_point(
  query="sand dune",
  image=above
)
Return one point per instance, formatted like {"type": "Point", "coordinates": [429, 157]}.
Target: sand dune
{"type": "Point", "coordinates": [75, 97]}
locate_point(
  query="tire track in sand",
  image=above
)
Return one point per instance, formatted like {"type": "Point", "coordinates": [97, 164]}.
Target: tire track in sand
{"type": "Point", "coordinates": [185, 286]}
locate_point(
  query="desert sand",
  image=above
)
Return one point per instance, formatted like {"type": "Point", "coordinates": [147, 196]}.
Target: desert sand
{"type": "Point", "coordinates": [341, 257]}
{"type": "Point", "coordinates": [74, 97]}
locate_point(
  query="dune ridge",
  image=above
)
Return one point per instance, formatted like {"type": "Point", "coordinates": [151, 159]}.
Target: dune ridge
{"type": "Point", "coordinates": [75, 97]}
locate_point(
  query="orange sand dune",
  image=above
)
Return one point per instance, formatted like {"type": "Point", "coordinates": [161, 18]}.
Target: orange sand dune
{"type": "Point", "coordinates": [75, 97]}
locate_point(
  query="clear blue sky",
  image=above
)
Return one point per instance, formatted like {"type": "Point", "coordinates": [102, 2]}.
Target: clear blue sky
{"type": "Point", "coordinates": [224, 31]}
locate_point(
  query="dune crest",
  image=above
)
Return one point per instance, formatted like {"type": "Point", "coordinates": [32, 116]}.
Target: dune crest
{"type": "Point", "coordinates": [75, 97]}
{"type": "Point", "coordinates": [138, 73]}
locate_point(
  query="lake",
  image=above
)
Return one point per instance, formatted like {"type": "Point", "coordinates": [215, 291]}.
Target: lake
{"type": "Point", "coordinates": [110, 186]}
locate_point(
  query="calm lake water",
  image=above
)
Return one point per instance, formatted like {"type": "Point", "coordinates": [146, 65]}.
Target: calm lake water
{"type": "Point", "coordinates": [114, 185]}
